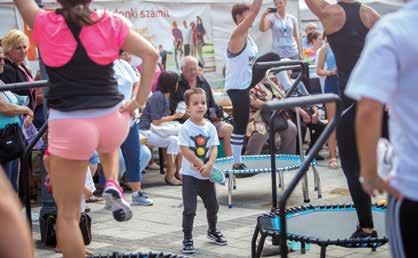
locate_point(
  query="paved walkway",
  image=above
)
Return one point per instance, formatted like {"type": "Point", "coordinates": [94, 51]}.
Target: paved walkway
{"type": "Point", "coordinates": [158, 228]}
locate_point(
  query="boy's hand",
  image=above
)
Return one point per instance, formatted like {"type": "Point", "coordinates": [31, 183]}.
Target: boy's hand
{"type": "Point", "coordinates": [207, 169]}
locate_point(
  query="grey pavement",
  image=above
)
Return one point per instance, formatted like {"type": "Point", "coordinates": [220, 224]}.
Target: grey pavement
{"type": "Point", "coordinates": [158, 227]}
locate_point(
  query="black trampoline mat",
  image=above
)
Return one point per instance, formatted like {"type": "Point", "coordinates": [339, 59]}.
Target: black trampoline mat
{"type": "Point", "coordinates": [331, 224]}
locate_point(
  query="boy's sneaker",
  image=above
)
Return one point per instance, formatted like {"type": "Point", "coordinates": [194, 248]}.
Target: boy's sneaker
{"type": "Point", "coordinates": [217, 237]}
{"type": "Point", "coordinates": [141, 199]}
{"type": "Point", "coordinates": [113, 195]}
{"type": "Point", "coordinates": [188, 247]}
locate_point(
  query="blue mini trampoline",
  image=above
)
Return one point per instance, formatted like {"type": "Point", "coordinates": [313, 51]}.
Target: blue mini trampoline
{"type": "Point", "coordinates": [321, 225]}
{"type": "Point", "coordinates": [262, 164]}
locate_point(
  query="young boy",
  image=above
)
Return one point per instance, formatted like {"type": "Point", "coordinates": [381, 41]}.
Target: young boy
{"type": "Point", "coordinates": [198, 143]}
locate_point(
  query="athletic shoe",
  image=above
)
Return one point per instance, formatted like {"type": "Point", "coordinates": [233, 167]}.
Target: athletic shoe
{"type": "Point", "coordinates": [217, 237]}
{"type": "Point", "coordinates": [359, 234]}
{"type": "Point", "coordinates": [113, 195]}
{"type": "Point", "coordinates": [141, 199]}
{"type": "Point", "coordinates": [188, 247]}
{"type": "Point", "coordinates": [240, 166]}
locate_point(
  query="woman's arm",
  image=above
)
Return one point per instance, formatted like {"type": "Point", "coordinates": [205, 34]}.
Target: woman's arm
{"type": "Point", "coordinates": [317, 7]}
{"type": "Point", "coordinates": [240, 34]}
{"type": "Point", "coordinates": [265, 24]}
{"type": "Point", "coordinates": [296, 35]}
{"type": "Point", "coordinates": [140, 47]}
{"type": "Point", "coordinates": [28, 9]}
{"type": "Point", "coordinates": [167, 119]}
{"type": "Point", "coordinates": [12, 110]}
{"type": "Point", "coordinates": [320, 71]}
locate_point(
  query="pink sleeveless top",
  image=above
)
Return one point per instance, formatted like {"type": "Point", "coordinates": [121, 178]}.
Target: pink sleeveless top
{"type": "Point", "coordinates": [101, 40]}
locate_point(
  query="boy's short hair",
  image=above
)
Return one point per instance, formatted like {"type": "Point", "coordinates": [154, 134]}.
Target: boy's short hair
{"type": "Point", "coordinates": [194, 91]}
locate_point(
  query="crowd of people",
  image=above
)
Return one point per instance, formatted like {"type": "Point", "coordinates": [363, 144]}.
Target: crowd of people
{"type": "Point", "coordinates": [178, 113]}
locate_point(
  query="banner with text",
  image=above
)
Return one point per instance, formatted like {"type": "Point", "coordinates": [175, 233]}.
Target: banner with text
{"type": "Point", "coordinates": [175, 31]}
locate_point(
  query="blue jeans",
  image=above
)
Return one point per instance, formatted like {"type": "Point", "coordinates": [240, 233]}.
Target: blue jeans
{"type": "Point", "coordinates": [11, 169]}
{"type": "Point", "coordinates": [131, 154]}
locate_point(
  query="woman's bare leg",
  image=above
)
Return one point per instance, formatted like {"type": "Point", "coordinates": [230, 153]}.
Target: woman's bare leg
{"type": "Point", "coordinates": [68, 178]}
{"type": "Point", "coordinates": [332, 141]}
{"type": "Point", "coordinates": [15, 235]}
{"type": "Point", "coordinates": [121, 209]}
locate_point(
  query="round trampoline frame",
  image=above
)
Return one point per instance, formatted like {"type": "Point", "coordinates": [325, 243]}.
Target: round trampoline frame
{"type": "Point", "coordinates": [265, 230]}
{"type": "Point", "coordinates": [138, 255]}
{"type": "Point", "coordinates": [231, 174]}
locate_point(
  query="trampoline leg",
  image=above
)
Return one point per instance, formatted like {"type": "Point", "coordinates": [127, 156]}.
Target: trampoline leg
{"type": "Point", "coordinates": [305, 189]}
{"type": "Point", "coordinates": [260, 246]}
{"type": "Point", "coordinates": [318, 182]}
{"type": "Point", "coordinates": [281, 176]}
{"type": "Point", "coordinates": [234, 182]}
{"type": "Point", "coordinates": [230, 175]}
{"type": "Point", "coordinates": [323, 251]}
{"type": "Point", "coordinates": [302, 248]}
{"type": "Point", "coordinates": [254, 241]}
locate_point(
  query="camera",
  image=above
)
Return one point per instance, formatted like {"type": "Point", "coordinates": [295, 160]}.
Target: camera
{"type": "Point", "coordinates": [272, 10]}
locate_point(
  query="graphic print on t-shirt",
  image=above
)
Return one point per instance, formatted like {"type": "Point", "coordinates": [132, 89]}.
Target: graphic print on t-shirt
{"type": "Point", "coordinates": [200, 148]}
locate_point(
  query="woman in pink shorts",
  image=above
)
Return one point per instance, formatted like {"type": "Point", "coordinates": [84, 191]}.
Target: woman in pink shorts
{"type": "Point", "coordinates": [78, 46]}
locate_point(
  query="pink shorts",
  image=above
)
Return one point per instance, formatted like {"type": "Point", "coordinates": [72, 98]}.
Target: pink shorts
{"type": "Point", "coordinates": [78, 138]}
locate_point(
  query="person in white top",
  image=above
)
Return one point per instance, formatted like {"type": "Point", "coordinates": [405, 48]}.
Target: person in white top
{"type": "Point", "coordinates": [240, 75]}
{"type": "Point", "coordinates": [187, 38]}
{"type": "Point", "coordinates": [390, 80]}
{"type": "Point", "coordinates": [128, 82]}
{"type": "Point", "coordinates": [199, 146]}
{"type": "Point", "coordinates": [285, 31]}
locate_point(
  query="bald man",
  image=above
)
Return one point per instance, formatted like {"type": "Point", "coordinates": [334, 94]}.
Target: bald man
{"type": "Point", "coordinates": [346, 25]}
{"type": "Point", "coordinates": [191, 78]}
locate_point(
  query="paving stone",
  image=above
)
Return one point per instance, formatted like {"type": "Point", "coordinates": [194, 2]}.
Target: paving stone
{"type": "Point", "coordinates": [158, 227]}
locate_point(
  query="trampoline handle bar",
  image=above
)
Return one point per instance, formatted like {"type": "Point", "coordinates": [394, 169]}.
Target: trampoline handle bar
{"type": "Point", "coordinates": [24, 85]}
{"type": "Point", "coordinates": [25, 170]}
{"type": "Point", "coordinates": [290, 103]}
{"type": "Point", "coordinates": [272, 64]}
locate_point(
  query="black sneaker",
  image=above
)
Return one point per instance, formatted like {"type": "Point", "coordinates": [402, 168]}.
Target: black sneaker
{"type": "Point", "coordinates": [217, 237]}
{"type": "Point", "coordinates": [359, 234]}
{"type": "Point", "coordinates": [240, 166]}
{"type": "Point", "coordinates": [188, 247]}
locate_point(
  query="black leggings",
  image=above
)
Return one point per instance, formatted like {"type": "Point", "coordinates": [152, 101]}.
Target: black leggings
{"type": "Point", "coordinates": [347, 147]}
{"type": "Point", "coordinates": [240, 110]}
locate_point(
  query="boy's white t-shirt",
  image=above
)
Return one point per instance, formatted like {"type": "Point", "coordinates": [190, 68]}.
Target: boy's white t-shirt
{"type": "Point", "coordinates": [200, 139]}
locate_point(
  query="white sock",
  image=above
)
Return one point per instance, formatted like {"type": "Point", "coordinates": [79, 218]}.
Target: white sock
{"type": "Point", "coordinates": [135, 194]}
{"type": "Point", "coordinates": [236, 145]}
